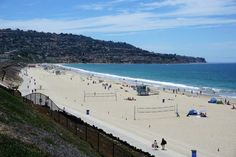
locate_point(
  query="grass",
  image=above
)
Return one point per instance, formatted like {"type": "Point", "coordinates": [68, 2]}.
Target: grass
{"type": "Point", "coordinates": [18, 111]}
{"type": "Point", "coordinates": [49, 141]}
{"type": "Point", "coordinates": [13, 148]}
{"type": "Point", "coordinates": [14, 110]}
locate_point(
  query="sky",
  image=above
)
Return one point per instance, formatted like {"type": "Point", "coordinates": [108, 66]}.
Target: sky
{"type": "Point", "coordinates": [200, 28]}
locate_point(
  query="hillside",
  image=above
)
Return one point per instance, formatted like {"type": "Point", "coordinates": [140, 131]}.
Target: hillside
{"type": "Point", "coordinates": [25, 132]}
{"type": "Point", "coordinates": [38, 47]}
{"type": "Point", "coordinates": [9, 74]}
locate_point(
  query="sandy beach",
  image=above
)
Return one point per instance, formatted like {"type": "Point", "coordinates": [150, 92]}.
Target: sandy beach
{"type": "Point", "coordinates": [107, 101]}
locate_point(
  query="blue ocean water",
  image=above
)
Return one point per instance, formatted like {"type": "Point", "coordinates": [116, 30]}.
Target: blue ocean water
{"type": "Point", "coordinates": [219, 78]}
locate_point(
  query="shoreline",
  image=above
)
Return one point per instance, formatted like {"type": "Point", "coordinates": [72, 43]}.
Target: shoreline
{"type": "Point", "coordinates": [190, 90]}
{"type": "Point", "coordinates": [67, 89]}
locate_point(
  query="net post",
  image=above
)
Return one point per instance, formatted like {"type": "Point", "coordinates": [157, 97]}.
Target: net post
{"type": "Point", "coordinates": [134, 112]}
{"type": "Point", "coordinates": [177, 110]}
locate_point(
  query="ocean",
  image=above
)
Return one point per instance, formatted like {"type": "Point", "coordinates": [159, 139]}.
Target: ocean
{"type": "Point", "coordinates": [211, 79]}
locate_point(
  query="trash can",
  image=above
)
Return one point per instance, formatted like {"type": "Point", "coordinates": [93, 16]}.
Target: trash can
{"type": "Point", "coordinates": [87, 112]}
{"type": "Point", "coordinates": [194, 153]}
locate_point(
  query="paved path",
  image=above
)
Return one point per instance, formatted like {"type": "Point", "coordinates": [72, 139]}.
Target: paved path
{"type": "Point", "coordinates": [132, 139]}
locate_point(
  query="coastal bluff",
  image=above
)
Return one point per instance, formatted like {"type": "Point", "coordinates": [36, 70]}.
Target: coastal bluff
{"type": "Point", "coordinates": [38, 47]}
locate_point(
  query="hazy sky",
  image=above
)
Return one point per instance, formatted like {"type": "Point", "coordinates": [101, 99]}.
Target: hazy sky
{"type": "Point", "coordinates": [204, 28]}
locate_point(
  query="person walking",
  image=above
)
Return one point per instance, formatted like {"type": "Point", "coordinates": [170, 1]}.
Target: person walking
{"type": "Point", "coordinates": [163, 143]}
{"type": "Point", "coordinates": [154, 145]}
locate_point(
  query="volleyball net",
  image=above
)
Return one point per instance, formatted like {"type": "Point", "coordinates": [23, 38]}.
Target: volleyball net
{"type": "Point", "coordinates": [100, 95]}
{"type": "Point", "coordinates": [154, 111]}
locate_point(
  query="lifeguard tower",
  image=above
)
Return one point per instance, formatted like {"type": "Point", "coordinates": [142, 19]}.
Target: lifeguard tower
{"type": "Point", "coordinates": [142, 90]}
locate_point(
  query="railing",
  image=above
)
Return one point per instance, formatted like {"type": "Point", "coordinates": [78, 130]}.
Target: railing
{"type": "Point", "coordinates": [106, 144]}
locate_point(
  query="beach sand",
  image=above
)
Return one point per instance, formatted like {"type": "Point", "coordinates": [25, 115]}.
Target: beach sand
{"type": "Point", "coordinates": [214, 136]}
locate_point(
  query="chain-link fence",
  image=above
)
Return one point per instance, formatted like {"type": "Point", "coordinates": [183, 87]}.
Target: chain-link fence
{"type": "Point", "coordinates": [106, 144]}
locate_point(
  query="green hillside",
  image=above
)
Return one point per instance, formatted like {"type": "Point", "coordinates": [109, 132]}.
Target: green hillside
{"type": "Point", "coordinates": [24, 132]}
{"type": "Point", "coordinates": [38, 47]}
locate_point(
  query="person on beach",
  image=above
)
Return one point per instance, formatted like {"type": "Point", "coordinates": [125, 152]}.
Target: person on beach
{"type": "Point", "coordinates": [154, 145]}
{"type": "Point", "coordinates": [177, 114]}
{"type": "Point", "coordinates": [163, 143]}
{"type": "Point", "coordinates": [233, 107]}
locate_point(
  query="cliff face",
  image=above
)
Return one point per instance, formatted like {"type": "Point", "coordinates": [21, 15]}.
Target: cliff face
{"type": "Point", "coordinates": [37, 47]}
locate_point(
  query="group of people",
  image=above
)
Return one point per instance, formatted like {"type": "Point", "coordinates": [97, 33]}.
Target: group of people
{"type": "Point", "coordinates": [163, 143]}
{"type": "Point", "coordinates": [227, 102]}
{"type": "Point", "coordinates": [131, 99]}
{"type": "Point", "coordinates": [28, 86]}
{"type": "Point", "coordinates": [106, 86]}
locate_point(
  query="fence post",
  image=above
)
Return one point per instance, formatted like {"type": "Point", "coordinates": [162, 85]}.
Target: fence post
{"type": "Point", "coordinates": [51, 107]}
{"type": "Point", "coordinates": [35, 98]}
{"type": "Point", "coordinates": [40, 99]}
{"type": "Point", "coordinates": [58, 116]}
{"type": "Point", "coordinates": [86, 132]}
{"type": "Point", "coordinates": [113, 149]}
{"type": "Point", "coordinates": [75, 127]}
{"type": "Point", "coordinates": [98, 140]}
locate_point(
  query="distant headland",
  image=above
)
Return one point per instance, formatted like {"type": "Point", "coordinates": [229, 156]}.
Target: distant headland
{"type": "Point", "coordinates": [38, 47]}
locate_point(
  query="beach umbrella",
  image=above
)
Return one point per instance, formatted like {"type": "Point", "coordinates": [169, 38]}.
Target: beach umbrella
{"type": "Point", "coordinates": [192, 112]}
{"type": "Point", "coordinates": [213, 100]}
